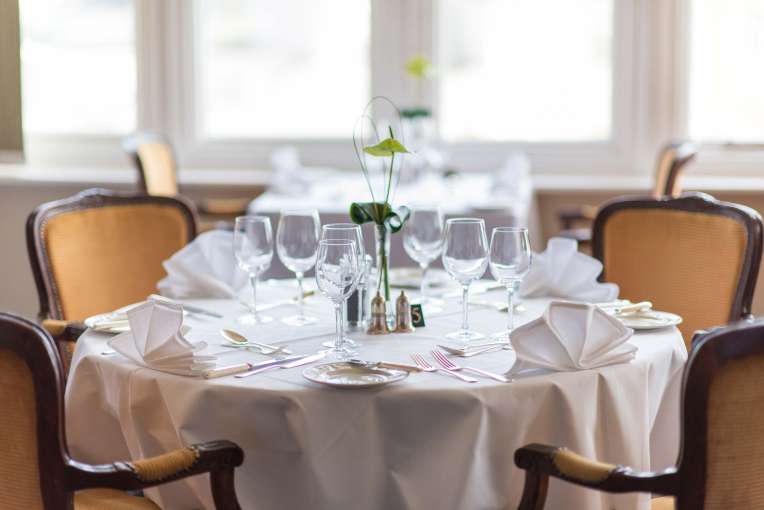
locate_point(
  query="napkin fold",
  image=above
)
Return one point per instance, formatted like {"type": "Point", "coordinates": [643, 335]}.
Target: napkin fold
{"type": "Point", "coordinates": [156, 340]}
{"type": "Point", "coordinates": [204, 268]}
{"type": "Point", "coordinates": [562, 271]}
{"type": "Point", "coordinates": [571, 336]}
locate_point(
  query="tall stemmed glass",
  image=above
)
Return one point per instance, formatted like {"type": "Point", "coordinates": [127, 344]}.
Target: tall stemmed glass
{"type": "Point", "coordinates": [297, 244]}
{"type": "Point", "coordinates": [337, 276]}
{"type": "Point", "coordinates": [253, 249]}
{"type": "Point", "coordinates": [423, 242]}
{"type": "Point", "coordinates": [465, 257]}
{"type": "Point", "coordinates": [510, 260]}
{"type": "Point", "coordinates": [346, 232]}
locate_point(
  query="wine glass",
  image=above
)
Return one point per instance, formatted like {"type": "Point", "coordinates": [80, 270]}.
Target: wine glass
{"type": "Point", "coordinates": [347, 232]}
{"type": "Point", "coordinates": [297, 244]}
{"type": "Point", "coordinates": [509, 261]}
{"type": "Point", "coordinates": [253, 249]}
{"type": "Point", "coordinates": [337, 276]}
{"type": "Point", "coordinates": [423, 242]}
{"type": "Point", "coordinates": [465, 257]}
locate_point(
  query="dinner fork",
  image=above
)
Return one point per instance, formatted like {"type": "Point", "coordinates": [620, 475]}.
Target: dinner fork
{"type": "Point", "coordinates": [426, 367]}
{"type": "Point", "coordinates": [450, 365]}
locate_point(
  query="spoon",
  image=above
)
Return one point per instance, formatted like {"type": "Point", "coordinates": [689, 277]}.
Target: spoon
{"type": "Point", "coordinates": [240, 340]}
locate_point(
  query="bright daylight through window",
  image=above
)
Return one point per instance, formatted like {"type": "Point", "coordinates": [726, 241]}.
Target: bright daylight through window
{"type": "Point", "coordinates": [78, 66]}
{"type": "Point", "coordinates": [526, 71]}
{"type": "Point", "coordinates": [282, 69]}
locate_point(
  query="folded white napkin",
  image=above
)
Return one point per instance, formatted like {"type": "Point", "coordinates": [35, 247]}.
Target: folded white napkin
{"type": "Point", "coordinates": [564, 272]}
{"type": "Point", "coordinates": [288, 176]}
{"type": "Point", "coordinates": [156, 340]}
{"type": "Point", "coordinates": [204, 268]}
{"type": "Point", "coordinates": [571, 336]}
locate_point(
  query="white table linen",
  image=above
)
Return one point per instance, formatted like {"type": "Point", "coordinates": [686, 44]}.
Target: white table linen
{"type": "Point", "coordinates": [430, 441]}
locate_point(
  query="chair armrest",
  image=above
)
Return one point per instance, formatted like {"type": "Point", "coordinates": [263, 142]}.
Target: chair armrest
{"type": "Point", "coordinates": [64, 330]}
{"type": "Point", "coordinates": [541, 462]}
{"type": "Point", "coordinates": [224, 206]}
{"type": "Point", "coordinates": [219, 458]}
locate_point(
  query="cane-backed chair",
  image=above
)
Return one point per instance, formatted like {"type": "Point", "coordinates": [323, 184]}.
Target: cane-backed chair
{"type": "Point", "coordinates": [36, 470]}
{"type": "Point", "coordinates": [98, 251]}
{"type": "Point", "coordinates": [153, 157]}
{"type": "Point", "coordinates": [672, 160]}
{"type": "Point", "coordinates": [693, 255]}
{"type": "Point", "coordinates": [722, 452]}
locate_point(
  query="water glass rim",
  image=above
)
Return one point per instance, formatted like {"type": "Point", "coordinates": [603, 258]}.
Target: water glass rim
{"type": "Point", "coordinates": [254, 218]}
{"type": "Point", "coordinates": [340, 226]}
{"type": "Point", "coordinates": [299, 212]}
{"type": "Point", "coordinates": [465, 220]}
{"type": "Point", "coordinates": [336, 242]}
{"type": "Point", "coordinates": [510, 229]}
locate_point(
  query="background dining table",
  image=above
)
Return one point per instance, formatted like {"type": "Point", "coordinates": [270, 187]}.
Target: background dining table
{"type": "Point", "coordinates": [429, 441]}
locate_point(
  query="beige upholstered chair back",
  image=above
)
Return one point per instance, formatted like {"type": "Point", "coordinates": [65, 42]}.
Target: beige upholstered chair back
{"type": "Point", "coordinates": [672, 161]}
{"type": "Point", "coordinates": [159, 171]}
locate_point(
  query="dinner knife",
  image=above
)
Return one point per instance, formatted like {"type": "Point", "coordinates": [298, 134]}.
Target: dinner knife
{"type": "Point", "coordinates": [291, 362]}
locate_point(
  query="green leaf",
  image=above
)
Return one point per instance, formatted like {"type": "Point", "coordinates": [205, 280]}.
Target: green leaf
{"type": "Point", "coordinates": [386, 148]}
{"type": "Point", "coordinates": [379, 213]}
{"type": "Point", "coordinates": [397, 218]}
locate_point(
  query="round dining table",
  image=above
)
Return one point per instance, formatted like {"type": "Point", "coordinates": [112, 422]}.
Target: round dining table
{"type": "Point", "coordinates": [428, 441]}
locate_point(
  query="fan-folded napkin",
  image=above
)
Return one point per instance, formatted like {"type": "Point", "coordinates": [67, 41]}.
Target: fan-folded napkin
{"type": "Point", "coordinates": [571, 336]}
{"type": "Point", "coordinates": [156, 340]}
{"type": "Point", "coordinates": [205, 268]}
{"type": "Point", "coordinates": [564, 272]}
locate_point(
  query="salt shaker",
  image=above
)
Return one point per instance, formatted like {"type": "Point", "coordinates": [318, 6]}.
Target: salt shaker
{"type": "Point", "coordinates": [403, 321]}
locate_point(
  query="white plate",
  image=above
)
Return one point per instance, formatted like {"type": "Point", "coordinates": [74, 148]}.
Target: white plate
{"type": "Point", "coordinates": [651, 320]}
{"type": "Point", "coordinates": [411, 278]}
{"type": "Point", "coordinates": [344, 375]}
{"type": "Point", "coordinates": [112, 322]}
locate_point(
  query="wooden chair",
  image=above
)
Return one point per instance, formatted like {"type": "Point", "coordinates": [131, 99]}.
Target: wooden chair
{"type": "Point", "coordinates": [693, 255]}
{"type": "Point", "coordinates": [36, 470]}
{"type": "Point", "coordinates": [722, 453]}
{"type": "Point", "coordinates": [98, 251]}
{"type": "Point", "coordinates": [672, 161]}
{"type": "Point", "coordinates": [154, 159]}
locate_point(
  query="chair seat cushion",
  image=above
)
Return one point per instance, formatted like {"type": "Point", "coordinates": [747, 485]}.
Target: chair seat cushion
{"type": "Point", "coordinates": [110, 499]}
{"type": "Point", "coordinates": [665, 503]}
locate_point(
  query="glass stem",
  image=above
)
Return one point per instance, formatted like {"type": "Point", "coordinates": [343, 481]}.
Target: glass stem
{"type": "Point", "coordinates": [253, 283]}
{"type": "Point", "coordinates": [465, 306]}
{"type": "Point", "coordinates": [510, 309]}
{"type": "Point", "coordinates": [300, 297]}
{"type": "Point", "coordinates": [340, 327]}
{"type": "Point", "coordinates": [423, 285]}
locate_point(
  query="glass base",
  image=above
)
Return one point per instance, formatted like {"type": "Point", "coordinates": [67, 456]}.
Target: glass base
{"type": "Point", "coordinates": [503, 336]}
{"type": "Point", "coordinates": [299, 320]}
{"type": "Point", "coordinates": [465, 336]}
{"type": "Point", "coordinates": [343, 353]}
{"type": "Point", "coordinates": [250, 319]}
{"type": "Point", "coordinates": [346, 341]}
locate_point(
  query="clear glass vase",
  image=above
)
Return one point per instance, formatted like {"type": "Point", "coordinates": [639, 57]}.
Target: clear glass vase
{"type": "Point", "coordinates": [382, 252]}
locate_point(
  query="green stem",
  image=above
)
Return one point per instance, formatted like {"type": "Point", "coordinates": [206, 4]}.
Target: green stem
{"type": "Point", "coordinates": [390, 179]}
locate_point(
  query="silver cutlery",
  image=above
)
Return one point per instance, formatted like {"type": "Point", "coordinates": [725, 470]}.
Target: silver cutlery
{"type": "Point", "coordinates": [426, 367]}
{"type": "Point", "coordinates": [240, 340]}
{"type": "Point", "coordinates": [302, 360]}
{"type": "Point", "coordinates": [450, 365]}
{"type": "Point", "coordinates": [464, 353]}
{"type": "Point", "coordinates": [187, 307]}
{"type": "Point", "coordinates": [384, 364]}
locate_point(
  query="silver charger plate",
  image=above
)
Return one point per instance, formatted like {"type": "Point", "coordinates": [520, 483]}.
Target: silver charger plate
{"type": "Point", "coordinates": [342, 374]}
{"type": "Point", "coordinates": [651, 320]}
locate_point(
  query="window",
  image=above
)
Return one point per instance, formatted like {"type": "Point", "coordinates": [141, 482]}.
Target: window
{"type": "Point", "coordinates": [78, 66]}
{"type": "Point", "coordinates": [726, 76]}
{"type": "Point", "coordinates": [518, 70]}
{"type": "Point", "coordinates": [282, 68]}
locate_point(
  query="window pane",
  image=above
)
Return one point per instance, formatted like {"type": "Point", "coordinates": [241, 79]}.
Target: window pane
{"type": "Point", "coordinates": [526, 70]}
{"type": "Point", "coordinates": [727, 70]}
{"type": "Point", "coordinates": [78, 66]}
{"type": "Point", "coordinates": [283, 68]}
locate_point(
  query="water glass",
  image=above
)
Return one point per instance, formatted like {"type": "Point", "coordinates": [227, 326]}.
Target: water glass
{"type": "Point", "coordinates": [423, 242]}
{"type": "Point", "coordinates": [253, 249]}
{"type": "Point", "coordinates": [337, 276]}
{"type": "Point", "coordinates": [296, 245]}
{"type": "Point", "coordinates": [465, 257]}
{"type": "Point", "coordinates": [509, 261]}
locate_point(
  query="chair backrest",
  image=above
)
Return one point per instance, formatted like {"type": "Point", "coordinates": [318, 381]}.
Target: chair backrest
{"type": "Point", "coordinates": [98, 250]}
{"type": "Point", "coordinates": [34, 456]}
{"type": "Point", "coordinates": [693, 255]}
{"type": "Point", "coordinates": [722, 455]}
{"type": "Point", "coordinates": [154, 159]}
{"type": "Point", "coordinates": [672, 160]}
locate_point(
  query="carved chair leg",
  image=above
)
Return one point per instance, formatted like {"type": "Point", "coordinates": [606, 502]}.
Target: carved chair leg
{"type": "Point", "coordinates": [534, 492]}
{"type": "Point", "coordinates": [223, 491]}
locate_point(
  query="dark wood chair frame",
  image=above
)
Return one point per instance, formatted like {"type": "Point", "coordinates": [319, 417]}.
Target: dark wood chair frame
{"type": "Point", "coordinates": [50, 303]}
{"type": "Point", "coordinates": [60, 475]}
{"type": "Point", "coordinates": [687, 481]}
{"type": "Point", "coordinates": [700, 203]}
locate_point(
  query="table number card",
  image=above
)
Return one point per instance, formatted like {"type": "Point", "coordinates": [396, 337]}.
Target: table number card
{"type": "Point", "coordinates": [417, 316]}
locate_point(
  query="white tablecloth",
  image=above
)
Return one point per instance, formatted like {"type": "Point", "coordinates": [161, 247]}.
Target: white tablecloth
{"type": "Point", "coordinates": [430, 441]}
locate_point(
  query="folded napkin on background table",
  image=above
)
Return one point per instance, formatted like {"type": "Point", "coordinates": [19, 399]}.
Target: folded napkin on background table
{"type": "Point", "coordinates": [205, 268]}
{"type": "Point", "coordinates": [156, 340]}
{"type": "Point", "coordinates": [288, 176]}
{"type": "Point", "coordinates": [564, 272]}
{"type": "Point", "coordinates": [571, 336]}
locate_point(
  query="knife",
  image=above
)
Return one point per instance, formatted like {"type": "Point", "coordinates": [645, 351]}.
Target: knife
{"type": "Point", "coordinates": [291, 363]}
{"type": "Point", "coordinates": [187, 307]}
